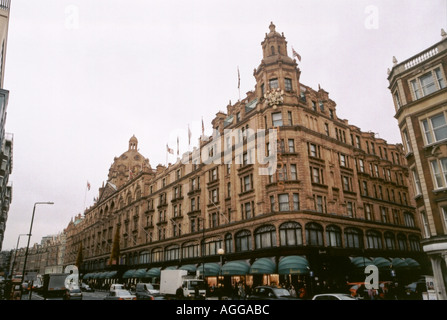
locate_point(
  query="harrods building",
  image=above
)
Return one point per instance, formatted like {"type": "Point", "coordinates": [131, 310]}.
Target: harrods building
{"type": "Point", "coordinates": [336, 199]}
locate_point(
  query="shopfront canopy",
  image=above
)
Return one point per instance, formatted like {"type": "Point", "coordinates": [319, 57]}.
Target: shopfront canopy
{"type": "Point", "coordinates": [235, 268]}
{"type": "Point", "coordinates": [153, 273]}
{"type": "Point", "coordinates": [188, 267]}
{"type": "Point", "coordinates": [293, 265]}
{"type": "Point", "coordinates": [381, 263]}
{"type": "Point", "coordinates": [263, 266]}
{"type": "Point", "coordinates": [129, 274]}
{"type": "Point", "coordinates": [211, 269]}
{"type": "Point", "coordinates": [412, 264]}
{"type": "Point", "coordinates": [361, 262]}
{"type": "Point", "coordinates": [140, 273]}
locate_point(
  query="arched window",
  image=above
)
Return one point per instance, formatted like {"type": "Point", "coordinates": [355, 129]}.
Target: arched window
{"type": "Point", "coordinates": [190, 250]}
{"type": "Point", "coordinates": [333, 236]}
{"type": "Point", "coordinates": [414, 243]}
{"type": "Point", "coordinates": [374, 239]}
{"type": "Point", "coordinates": [229, 243]}
{"type": "Point", "coordinates": [243, 242]}
{"type": "Point", "coordinates": [353, 238]}
{"type": "Point", "coordinates": [401, 242]}
{"type": "Point", "coordinates": [390, 242]}
{"type": "Point", "coordinates": [172, 253]}
{"type": "Point", "coordinates": [290, 234]}
{"type": "Point", "coordinates": [212, 245]}
{"type": "Point", "coordinates": [157, 255]}
{"type": "Point", "coordinates": [145, 257]}
{"type": "Point", "coordinates": [314, 234]}
{"type": "Point", "coordinates": [265, 237]}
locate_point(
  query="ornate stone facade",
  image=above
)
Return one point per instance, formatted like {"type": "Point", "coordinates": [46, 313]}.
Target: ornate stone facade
{"type": "Point", "coordinates": [334, 192]}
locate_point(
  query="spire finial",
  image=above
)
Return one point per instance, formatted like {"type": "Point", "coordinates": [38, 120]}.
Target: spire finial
{"type": "Point", "coordinates": [272, 27]}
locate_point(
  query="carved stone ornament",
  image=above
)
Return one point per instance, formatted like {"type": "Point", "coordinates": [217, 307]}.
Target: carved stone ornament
{"type": "Point", "coordinates": [274, 97]}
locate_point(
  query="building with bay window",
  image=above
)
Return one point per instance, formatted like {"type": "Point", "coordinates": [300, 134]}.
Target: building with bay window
{"type": "Point", "coordinates": [419, 89]}
{"type": "Point", "coordinates": [288, 190]}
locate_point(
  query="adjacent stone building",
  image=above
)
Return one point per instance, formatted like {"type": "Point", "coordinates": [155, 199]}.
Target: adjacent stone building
{"type": "Point", "coordinates": [418, 87]}
{"type": "Point", "coordinates": [287, 189]}
{"type": "Point", "coordinates": [6, 139]}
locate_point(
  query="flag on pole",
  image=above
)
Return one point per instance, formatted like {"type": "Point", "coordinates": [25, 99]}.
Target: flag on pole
{"type": "Point", "coordinates": [88, 186]}
{"type": "Point", "coordinates": [169, 150]}
{"type": "Point", "coordinates": [238, 78]}
{"type": "Point", "coordinates": [203, 128]}
{"type": "Point", "coordinates": [189, 136]}
{"type": "Point", "coordinates": [296, 54]}
{"type": "Point", "coordinates": [178, 152]}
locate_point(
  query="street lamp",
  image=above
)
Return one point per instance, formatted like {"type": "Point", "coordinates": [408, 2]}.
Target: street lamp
{"type": "Point", "coordinates": [29, 238]}
{"type": "Point", "coordinates": [221, 252]}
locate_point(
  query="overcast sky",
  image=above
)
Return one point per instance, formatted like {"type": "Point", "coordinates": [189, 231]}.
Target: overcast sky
{"type": "Point", "coordinates": [86, 75]}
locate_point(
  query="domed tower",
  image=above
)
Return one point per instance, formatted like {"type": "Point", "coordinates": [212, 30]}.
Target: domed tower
{"type": "Point", "coordinates": [277, 70]}
{"type": "Point", "coordinates": [128, 165]}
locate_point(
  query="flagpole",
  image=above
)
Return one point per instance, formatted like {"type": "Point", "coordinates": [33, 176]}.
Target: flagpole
{"type": "Point", "coordinates": [85, 196]}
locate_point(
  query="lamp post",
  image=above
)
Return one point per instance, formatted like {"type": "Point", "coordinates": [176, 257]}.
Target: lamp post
{"type": "Point", "coordinates": [221, 252]}
{"type": "Point", "coordinates": [29, 238]}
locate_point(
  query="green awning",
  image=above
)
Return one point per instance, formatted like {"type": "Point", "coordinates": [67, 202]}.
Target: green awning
{"type": "Point", "coordinates": [412, 264]}
{"type": "Point", "coordinates": [235, 268]}
{"type": "Point", "coordinates": [361, 262]}
{"type": "Point", "coordinates": [103, 275]}
{"type": "Point", "coordinates": [128, 274]}
{"type": "Point", "coordinates": [399, 264]}
{"type": "Point", "coordinates": [111, 274]}
{"type": "Point", "coordinates": [263, 266]}
{"type": "Point", "coordinates": [188, 267]}
{"type": "Point", "coordinates": [170, 268]}
{"type": "Point", "coordinates": [381, 263]}
{"type": "Point", "coordinates": [87, 276]}
{"type": "Point", "coordinates": [96, 275]}
{"type": "Point", "coordinates": [211, 269]}
{"type": "Point", "coordinates": [153, 273]}
{"type": "Point", "coordinates": [140, 273]}
{"type": "Point", "coordinates": [293, 265]}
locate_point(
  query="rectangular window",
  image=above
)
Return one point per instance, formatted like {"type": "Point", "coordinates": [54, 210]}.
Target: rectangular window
{"type": "Point", "coordinates": [283, 202]}
{"type": "Point", "coordinates": [277, 119]}
{"type": "Point", "coordinates": [439, 168]}
{"type": "Point", "coordinates": [289, 117]}
{"type": "Point", "coordinates": [296, 202]}
{"type": "Point", "coordinates": [368, 212]}
{"type": "Point", "coordinates": [435, 128]}
{"type": "Point", "coordinates": [273, 83]}
{"type": "Point", "coordinates": [272, 203]}
{"type": "Point", "coordinates": [288, 84]}
{"type": "Point", "coordinates": [343, 160]}
{"type": "Point", "coordinates": [427, 83]}
{"type": "Point", "coordinates": [293, 172]}
{"type": "Point", "coordinates": [291, 145]}
{"type": "Point", "coordinates": [397, 100]}
{"type": "Point", "coordinates": [384, 214]}
{"type": "Point", "coordinates": [350, 209]}
{"type": "Point", "coordinates": [417, 182]}
{"type": "Point", "coordinates": [361, 165]}
{"type": "Point", "coordinates": [444, 216]}
{"type": "Point", "coordinates": [320, 205]}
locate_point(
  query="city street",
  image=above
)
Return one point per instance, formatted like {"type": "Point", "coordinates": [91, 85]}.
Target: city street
{"type": "Point", "coordinates": [96, 295]}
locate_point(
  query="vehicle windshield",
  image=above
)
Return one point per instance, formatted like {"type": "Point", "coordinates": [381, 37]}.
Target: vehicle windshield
{"type": "Point", "coordinates": [192, 284]}
{"type": "Point", "coordinates": [282, 292]}
{"type": "Point", "coordinates": [75, 291]}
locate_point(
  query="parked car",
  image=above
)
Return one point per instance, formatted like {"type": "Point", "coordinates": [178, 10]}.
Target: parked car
{"type": "Point", "coordinates": [73, 294]}
{"type": "Point", "coordinates": [333, 296]}
{"type": "Point", "coordinates": [120, 294]}
{"type": "Point", "coordinates": [145, 291]}
{"type": "Point", "coordinates": [85, 287]}
{"type": "Point", "coordinates": [271, 293]}
{"type": "Point", "coordinates": [116, 286]}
